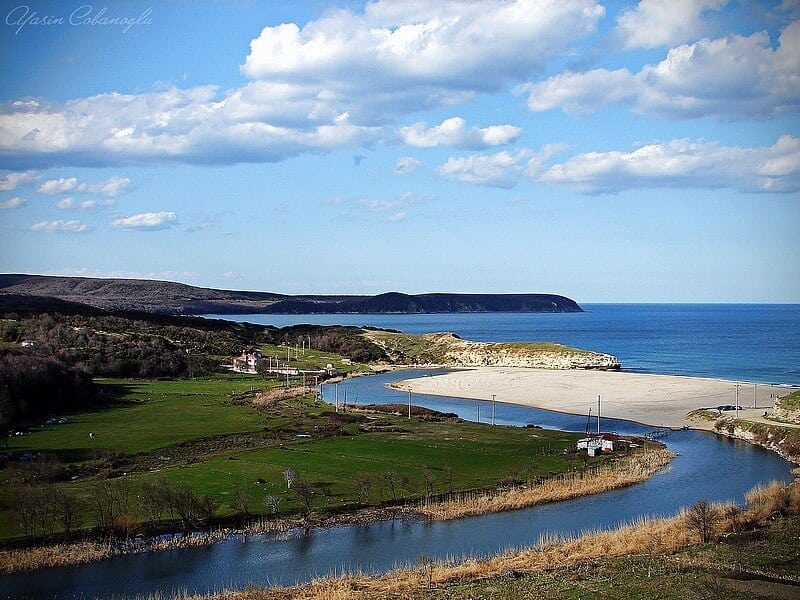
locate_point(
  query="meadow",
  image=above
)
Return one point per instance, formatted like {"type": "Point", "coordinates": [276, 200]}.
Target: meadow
{"type": "Point", "coordinates": [219, 438]}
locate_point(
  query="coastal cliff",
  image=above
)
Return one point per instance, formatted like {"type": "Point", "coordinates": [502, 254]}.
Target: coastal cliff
{"type": "Point", "coordinates": [167, 297]}
{"type": "Point", "coordinates": [450, 350]}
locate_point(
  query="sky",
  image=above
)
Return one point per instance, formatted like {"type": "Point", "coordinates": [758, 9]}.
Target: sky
{"type": "Point", "coordinates": [606, 151]}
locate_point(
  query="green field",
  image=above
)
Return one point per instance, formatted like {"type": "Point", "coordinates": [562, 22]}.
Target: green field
{"type": "Point", "coordinates": [205, 435]}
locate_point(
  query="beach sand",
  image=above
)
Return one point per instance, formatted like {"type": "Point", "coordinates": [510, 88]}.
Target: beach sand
{"type": "Point", "coordinates": [657, 400]}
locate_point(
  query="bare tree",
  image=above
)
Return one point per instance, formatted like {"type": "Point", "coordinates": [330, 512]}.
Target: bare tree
{"type": "Point", "coordinates": [363, 484]}
{"type": "Point", "coordinates": [408, 484]}
{"type": "Point", "coordinates": [390, 480]}
{"type": "Point", "coordinates": [304, 491]}
{"type": "Point", "coordinates": [703, 518]}
{"type": "Point", "coordinates": [67, 509]}
{"type": "Point", "coordinates": [239, 503]}
{"type": "Point", "coordinates": [104, 504]}
{"type": "Point", "coordinates": [290, 475]}
{"type": "Point", "coordinates": [429, 479]}
{"type": "Point", "coordinates": [448, 478]}
{"type": "Point", "coordinates": [273, 501]}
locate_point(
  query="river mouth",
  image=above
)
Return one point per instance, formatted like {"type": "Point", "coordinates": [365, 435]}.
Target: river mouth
{"type": "Point", "coordinates": [707, 466]}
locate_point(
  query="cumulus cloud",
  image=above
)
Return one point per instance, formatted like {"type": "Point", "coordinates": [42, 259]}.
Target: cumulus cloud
{"type": "Point", "coordinates": [339, 80]}
{"type": "Point", "coordinates": [427, 44]}
{"type": "Point", "coordinates": [496, 170]}
{"type": "Point", "coordinates": [175, 125]}
{"type": "Point", "coordinates": [454, 132]}
{"type": "Point", "coordinates": [680, 164]}
{"type": "Point", "coordinates": [15, 202]}
{"type": "Point", "coordinates": [65, 203]}
{"type": "Point", "coordinates": [112, 188]}
{"type": "Point", "coordinates": [150, 221]}
{"type": "Point", "coordinates": [61, 226]}
{"type": "Point", "coordinates": [406, 165]}
{"type": "Point", "coordinates": [14, 179]}
{"type": "Point", "coordinates": [655, 23]}
{"type": "Point", "coordinates": [732, 77]}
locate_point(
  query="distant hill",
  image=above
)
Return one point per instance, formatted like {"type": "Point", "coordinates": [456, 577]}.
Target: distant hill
{"type": "Point", "coordinates": [167, 297]}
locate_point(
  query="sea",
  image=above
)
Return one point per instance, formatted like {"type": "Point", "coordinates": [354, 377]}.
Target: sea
{"type": "Point", "coordinates": [757, 343]}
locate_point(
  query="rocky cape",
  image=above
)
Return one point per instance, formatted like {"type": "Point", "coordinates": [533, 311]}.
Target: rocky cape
{"type": "Point", "coordinates": [447, 349]}
{"type": "Point", "coordinates": [167, 297]}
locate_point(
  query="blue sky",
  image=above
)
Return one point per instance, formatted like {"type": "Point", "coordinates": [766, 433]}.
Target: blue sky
{"type": "Point", "coordinates": [610, 152]}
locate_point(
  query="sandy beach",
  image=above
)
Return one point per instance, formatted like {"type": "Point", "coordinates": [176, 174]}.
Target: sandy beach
{"type": "Point", "coordinates": [658, 400]}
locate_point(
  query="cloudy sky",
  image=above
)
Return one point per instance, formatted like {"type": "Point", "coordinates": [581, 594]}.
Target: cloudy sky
{"type": "Point", "coordinates": [633, 152]}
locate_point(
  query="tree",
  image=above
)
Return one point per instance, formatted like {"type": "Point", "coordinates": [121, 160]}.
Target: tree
{"type": "Point", "coordinates": [289, 474]}
{"type": "Point", "coordinates": [703, 518]}
{"type": "Point", "coordinates": [239, 503]}
{"type": "Point", "coordinates": [273, 501]}
{"type": "Point", "coordinates": [66, 510]}
{"type": "Point", "coordinates": [304, 491]}
{"type": "Point", "coordinates": [429, 479]}
{"type": "Point", "coordinates": [390, 480]}
{"type": "Point", "coordinates": [363, 486]}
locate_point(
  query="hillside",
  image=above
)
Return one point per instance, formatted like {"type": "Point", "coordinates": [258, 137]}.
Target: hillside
{"type": "Point", "coordinates": [178, 298]}
{"type": "Point", "coordinates": [450, 350]}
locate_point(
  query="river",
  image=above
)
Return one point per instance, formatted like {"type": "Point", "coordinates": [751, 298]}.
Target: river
{"type": "Point", "coordinates": [707, 467]}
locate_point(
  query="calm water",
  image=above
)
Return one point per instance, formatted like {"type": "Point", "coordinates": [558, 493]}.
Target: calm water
{"type": "Point", "coordinates": [707, 467]}
{"type": "Point", "coordinates": [749, 342]}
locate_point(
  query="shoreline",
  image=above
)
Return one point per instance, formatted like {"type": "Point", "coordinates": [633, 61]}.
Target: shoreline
{"type": "Point", "coordinates": [648, 399]}
{"type": "Point", "coordinates": [624, 472]}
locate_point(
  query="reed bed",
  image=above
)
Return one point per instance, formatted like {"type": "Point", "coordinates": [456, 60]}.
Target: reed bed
{"type": "Point", "coordinates": [76, 553]}
{"type": "Point", "coordinates": [644, 536]}
{"type": "Point", "coordinates": [624, 472]}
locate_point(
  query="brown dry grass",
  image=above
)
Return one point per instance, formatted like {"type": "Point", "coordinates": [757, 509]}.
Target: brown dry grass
{"type": "Point", "coordinates": [15, 561]}
{"type": "Point", "coordinates": [624, 472]}
{"type": "Point", "coordinates": [646, 536]}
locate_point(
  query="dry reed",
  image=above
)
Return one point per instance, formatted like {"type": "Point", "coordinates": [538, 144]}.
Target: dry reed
{"type": "Point", "coordinates": [624, 472]}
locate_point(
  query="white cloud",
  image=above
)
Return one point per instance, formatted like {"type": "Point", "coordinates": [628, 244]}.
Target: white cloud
{"type": "Point", "coordinates": [454, 132]}
{"type": "Point", "coordinates": [655, 23]}
{"type": "Point", "coordinates": [732, 77]}
{"type": "Point", "coordinates": [581, 93]}
{"type": "Point", "coordinates": [59, 186]}
{"type": "Point", "coordinates": [680, 164]}
{"type": "Point", "coordinates": [61, 227]}
{"type": "Point", "coordinates": [15, 202]}
{"type": "Point", "coordinates": [402, 201]}
{"type": "Point", "coordinates": [150, 221]}
{"type": "Point", "coordinates": [111, 188]}
{"type": "Point", "coordinates": [406, 165]}
{"type": "Point", "coordinates": [14, 179]}
{"type": "Point", "coordinates": [495, 170]}
{"type": "Point", "coordinates": [65, 203]}
{"type": "Point", "coordinates": [427, 44]}
{"type": "Point", "coordinates": [339, 80]}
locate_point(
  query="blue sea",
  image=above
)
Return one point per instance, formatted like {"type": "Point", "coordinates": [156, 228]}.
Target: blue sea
{"type": "Point", "coordinates": [745, 342]}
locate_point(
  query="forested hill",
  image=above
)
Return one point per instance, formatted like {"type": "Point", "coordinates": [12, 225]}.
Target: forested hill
{"type": "Point", "coordinates": [177, 298]}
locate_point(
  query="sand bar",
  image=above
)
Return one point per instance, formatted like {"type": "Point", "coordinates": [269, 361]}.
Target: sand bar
{"type": "Point", "coordinates": [658, 400]}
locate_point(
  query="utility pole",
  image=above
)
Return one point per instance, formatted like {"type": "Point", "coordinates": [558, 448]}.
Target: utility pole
{"type": "Point", "coordinates": [409, 404]}
{"type": "Point", "coordinates": [737, 400]}
{"type": "Point", "coordinates": [755, 395]}
{"type": "Point", "coordinates": [598, 415]}
{"type": "Point", "coordinates": [336, 389]}
{"type": "Point", "coordinates": [493, 397]}
{"type": "Point", "coordinates": [479, 411]}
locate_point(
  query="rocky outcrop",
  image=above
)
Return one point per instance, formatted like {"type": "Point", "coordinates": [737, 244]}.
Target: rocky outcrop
{"type": "Point", "coordinates": [449, 350]}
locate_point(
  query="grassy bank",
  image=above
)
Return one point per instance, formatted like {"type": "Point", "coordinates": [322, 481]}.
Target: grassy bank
{"type": "Point", "coordinates": [201, 447]}
{"type": "Point", "coordinates": [749, 553]}
{"type": "Point", "coordinates": [621, 472]}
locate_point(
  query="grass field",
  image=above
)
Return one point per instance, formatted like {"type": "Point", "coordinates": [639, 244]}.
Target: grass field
{"type": "Point", "coordinates": [191, 432]}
